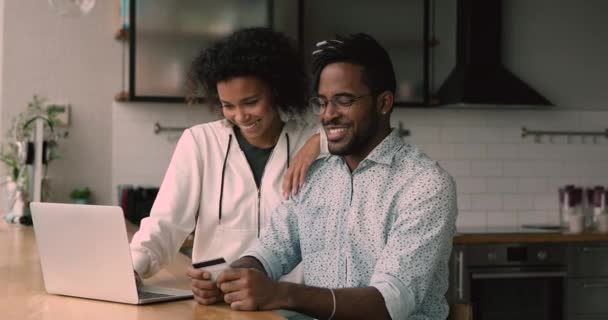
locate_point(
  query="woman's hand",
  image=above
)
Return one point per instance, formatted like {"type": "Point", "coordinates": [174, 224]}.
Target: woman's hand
{"type": "Point", "coordinates": [295, 174]}
{"type": "Point", "coordinates": [204, 289]}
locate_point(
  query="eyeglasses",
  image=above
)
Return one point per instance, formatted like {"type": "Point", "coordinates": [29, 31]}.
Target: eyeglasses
{"type": "Point", "coordinates": [342, 102]}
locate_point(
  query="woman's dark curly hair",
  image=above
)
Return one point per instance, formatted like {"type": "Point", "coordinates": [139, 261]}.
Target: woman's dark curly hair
{"type": "Point", "coordinates": [259, 52]}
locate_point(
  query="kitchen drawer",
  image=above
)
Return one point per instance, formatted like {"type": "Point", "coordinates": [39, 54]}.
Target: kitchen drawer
{"type": "Point", "coordinates": [588, 260]}
{"type": "Point", "coordinates": [587, 296]}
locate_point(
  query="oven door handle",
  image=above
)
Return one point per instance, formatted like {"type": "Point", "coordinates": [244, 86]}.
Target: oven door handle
{"type": "Point", "coordinates": [517, 275]}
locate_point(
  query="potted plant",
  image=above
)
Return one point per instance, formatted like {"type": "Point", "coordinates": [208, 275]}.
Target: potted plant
{"type": "Point", "coordinates": [81, 195]}
{"type": "Point", "coordinates": [14, 155]}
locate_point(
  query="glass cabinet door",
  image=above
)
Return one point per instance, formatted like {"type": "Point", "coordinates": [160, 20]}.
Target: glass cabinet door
{"type": "Point", "coordinates": [166, 36]}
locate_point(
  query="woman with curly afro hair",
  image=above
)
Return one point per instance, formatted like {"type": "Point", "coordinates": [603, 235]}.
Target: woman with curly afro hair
{"type": "Point", "coordinates": [226, 176]}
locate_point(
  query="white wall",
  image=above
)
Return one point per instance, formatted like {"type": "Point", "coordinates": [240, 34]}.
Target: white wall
{"type": "Point", "coordinates": [502, 178]}
{"type": "Point", "coordinates": [73, 60]}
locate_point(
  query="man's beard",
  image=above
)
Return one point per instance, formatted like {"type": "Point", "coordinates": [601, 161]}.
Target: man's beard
{"type": "Point", "coordinates": [360, 139]}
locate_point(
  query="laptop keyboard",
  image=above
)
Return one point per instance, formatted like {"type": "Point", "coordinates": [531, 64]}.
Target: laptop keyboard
{"type": "Point", "coordinates": [151, 295]}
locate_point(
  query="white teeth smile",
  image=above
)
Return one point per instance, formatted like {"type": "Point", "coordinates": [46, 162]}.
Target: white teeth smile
{"type": "Point", "coordinates": [251, 126]}
{"type": "Point", "coordinates": [336, 130]}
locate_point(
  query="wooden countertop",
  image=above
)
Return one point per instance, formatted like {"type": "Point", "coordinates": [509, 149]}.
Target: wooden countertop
{"type": "Point", "coordinates": [510, 235]}
{"type": "Point", "coordinates": [22, 294]}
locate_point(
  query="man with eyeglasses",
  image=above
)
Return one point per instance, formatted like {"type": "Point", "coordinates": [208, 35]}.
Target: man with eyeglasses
{"type": "Point", "coordinates": [373, 225]}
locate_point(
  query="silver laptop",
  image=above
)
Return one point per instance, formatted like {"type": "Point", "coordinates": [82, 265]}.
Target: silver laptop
{"type": "Point", "coordinates": [84, 252]}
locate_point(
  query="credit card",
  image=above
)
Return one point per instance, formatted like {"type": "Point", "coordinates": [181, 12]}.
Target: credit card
{"type": "Point", "coordinates": [213, 266]}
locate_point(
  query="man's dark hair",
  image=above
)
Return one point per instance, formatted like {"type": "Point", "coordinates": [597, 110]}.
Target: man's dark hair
{"type": "Point", "coordinates": [359, 49]}
{"type": "Point", "coordinates": [268, 55]}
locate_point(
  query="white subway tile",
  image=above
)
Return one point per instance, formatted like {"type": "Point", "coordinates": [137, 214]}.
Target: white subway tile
{"type": "Point", "coordinates": [502, 219]}
{"type": "Point", "coordinates": [532, 185]}
{"type": "Point", "coordinates": [532, 168]}
{"type": "Point", "coordinates": [503, 151]}
{"type": "Point", "coordinates": [531, 217]}
{"type": "Point", "coordinates": [470, 135]}
{"type": "Point", "coordinates": [546, 202]}
{"type": "Point", "coordinates": [581, 169]}
{"type": "Point", "coordinates": [518, 202]}
{"type": "Point", "coordinates": [438, 151]}
{"type": "Point", "coordinates": [462, 117]}
{"type": "Point", "coordinates": [470, 185]}
{"type": "Point", "coordinates": [470, 151]}
{"type": "Point", "coordinates": [554, 183]}
{"type": "Point", "coordinates": [468, 219]}
{"type": "Point", "coordinates": [410, 117]}
{"type": "Point", "coordinates": [486, 202]}
{"type": "Point", "coordinates": [486, 168]}
{"type": "Point", "coordinates": [457, 168]}
{"type": "Point", "coordinates": [537, 151]}
{"type": "Point", "coordinates": [513, 135]}
{"type": "Point", "coordinates": [552, 120]}
{"type": "Point", "coordinates": [464, 202]}
{"type": "Point", "coordinates": [553, 218]}
{"type": "Point", "coordinates": [504, 185]}
{"type": "Point", "coordinates": [423, 134]}
{"type": "Point", "coordinates": [501, 118]}
{"type": "Point", "coordinates": [594, 120]}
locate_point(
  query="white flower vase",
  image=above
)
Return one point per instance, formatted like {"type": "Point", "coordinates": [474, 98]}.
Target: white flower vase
{"type": "Point", "coordinates": [13, 205]}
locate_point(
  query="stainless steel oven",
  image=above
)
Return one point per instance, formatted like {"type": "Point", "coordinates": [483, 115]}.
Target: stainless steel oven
{"type": "Point", "coordinates": [508, 281]}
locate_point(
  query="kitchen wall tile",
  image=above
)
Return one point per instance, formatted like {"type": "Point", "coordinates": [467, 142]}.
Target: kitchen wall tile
{"type": "Point", "coordinates": [594, 120]}
{"type": "Point", "coordinates": [486, 168]}
{"type": "Point", "coordinates": [518, 202]}
{"type": "Point", "coordinates": [462, 117]}
{"type": "Point", "coordinates": [464, 202]}
{"type": "Point", "coordinates": [438, 151]}
{"type": "Point", "coordinates": [532, 185]}
{"type": "Point", "coordinates": [502, 185]}
{"type": "Point", "coordinates": [513, 135]}
{"type": "Point", "coordinates": [410, 117]}
{"type": "Point", "coordinates": [470, 185]}
{"type": "Point", "coordinates": [532, 168]}
{"type": "Point", "coordinates": [554, 120]}
{"type": "Point", "coordinates": [503, 151]}
{"type": "Point", "coordinates": [554, 183]}
{"type": "Point", "coordinates": [546, 202]}
{"type": "Point", "coordinates": [457, 168]}
{"type": "Point", "coordinates": [470, 151]}
{"type": "Point", "coordinates": [470, 135]}
{"type": "Point", "coordinates": [532, 217]}
{"type": "Point", "coordinates": [423, 134]}
{"type": "Point", "coordinates": [502, 218]}
{"type": "Point", "coordinates": [471, 219]}
{"type": "Point", "coordinates": [553, 218]}
{"type": "Point", "coordinates": [486, 202]}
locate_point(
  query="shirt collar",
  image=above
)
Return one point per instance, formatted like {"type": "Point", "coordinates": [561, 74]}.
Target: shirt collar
{"type": "Point", "coordinates": [385, 151]}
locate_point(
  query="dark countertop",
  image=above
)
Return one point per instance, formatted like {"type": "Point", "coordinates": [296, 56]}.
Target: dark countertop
{"type": "Point", "coordinates": [518, 234]}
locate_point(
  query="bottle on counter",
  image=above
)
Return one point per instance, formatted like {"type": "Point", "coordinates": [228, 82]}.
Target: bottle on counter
{"type": "Point", "coordinates": [568, 205]}
{"type": "Point", "coordinates": [598, 202]}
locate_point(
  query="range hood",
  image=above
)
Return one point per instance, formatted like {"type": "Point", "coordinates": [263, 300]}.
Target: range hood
{"type": "Point", "coordinates": [479, 76]}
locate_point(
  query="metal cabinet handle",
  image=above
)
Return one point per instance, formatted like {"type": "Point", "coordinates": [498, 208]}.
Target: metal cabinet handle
{"type": "Point", "coordinates": [595, 285]}
{"type": "Point", "coordinates": [460, 272]}
{"type": "Point", "coordinates": [517, 275]}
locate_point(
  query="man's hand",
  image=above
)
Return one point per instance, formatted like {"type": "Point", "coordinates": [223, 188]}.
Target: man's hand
{"type": "Point", "coordinates": [293, 180]}
{"type": "Point", "coordinates": [250, 289]}
{"type": "Point", "coordinates": [204, 289]}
